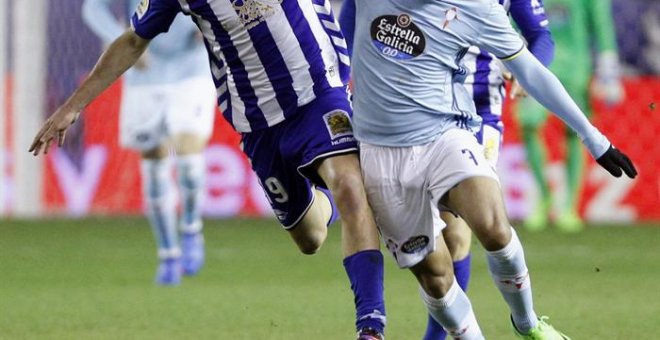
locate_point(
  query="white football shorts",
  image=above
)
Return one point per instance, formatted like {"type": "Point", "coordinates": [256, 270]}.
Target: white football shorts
{"type": "Point", "coordinates": [405, 184]}
{"type": "Point", "coordinates": [151, 114]}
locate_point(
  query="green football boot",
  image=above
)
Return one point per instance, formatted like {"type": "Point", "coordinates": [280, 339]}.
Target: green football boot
{"type": "Point", "coordinates": [542, 331]}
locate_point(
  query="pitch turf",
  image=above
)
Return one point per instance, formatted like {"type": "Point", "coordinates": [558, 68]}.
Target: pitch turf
{"type": "Point", "coordinates": [92, 279]}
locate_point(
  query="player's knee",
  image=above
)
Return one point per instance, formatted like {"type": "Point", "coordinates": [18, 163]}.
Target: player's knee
{"type": "Point", "coordinates": [347, 189]}
{"type": "Point", "coordinates": [494, 230]}
{"type": "Point", "coordinates": [437, 285]}
{"type": "Point", "coordinates": [309, 236]}
{"type": "Point", "coordinates": [311, 245]}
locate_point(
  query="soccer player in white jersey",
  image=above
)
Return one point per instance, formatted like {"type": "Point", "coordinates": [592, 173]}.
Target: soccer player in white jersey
{"type": "Point", "coordinates": [416, 121]}
{"type": "Point", "coordinates": [280, 68]}
{"type": "Point", "coordinates": [167, 102]}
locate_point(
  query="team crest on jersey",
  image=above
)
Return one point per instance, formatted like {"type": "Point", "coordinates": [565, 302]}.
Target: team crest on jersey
{"type": "Point", "coordinates": [339, 125]}
{"type": "Point", "coordinates": [253, 12]}
{"type": "Point", "coordinates": [415, 244]}
{"type": "Point", "coordinates": [397, 36]}
{"type": "Point", "coordinates": [142, 8]}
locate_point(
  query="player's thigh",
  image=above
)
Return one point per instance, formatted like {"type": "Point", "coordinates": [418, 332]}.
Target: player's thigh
{"type": "Point", "coordinates": [457, 235]}
{"type": "Point", "coordinates": [402, 206]}
{"type": "Point", "coordinates": [190, 113]}
{"type": "Point", "coordinates": [458, 160]}
{"type": "Point", "coordinates": [187, 143]}
{"type": "Point", "coordinates": [478, 200]}
{"type": "Point", "coordinates": [142, 125]}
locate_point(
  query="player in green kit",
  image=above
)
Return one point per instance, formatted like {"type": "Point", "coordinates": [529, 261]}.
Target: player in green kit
{"type": "Point", "coordinates": [576, 26]}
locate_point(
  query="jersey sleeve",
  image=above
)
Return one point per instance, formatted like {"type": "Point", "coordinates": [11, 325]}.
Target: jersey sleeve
{"type": "Point", "coordinates": [99, 18]}
{"type": "Point", "coordinates": [600, 14]}
{"type": "Point", "coordinates": [530, 17]}
{"type": "Point", "coordinates": [347, 23]}
{"type": "Point", "coordinates": [497, 36]}
{"type": "Point", "coordinates": [153, 17]}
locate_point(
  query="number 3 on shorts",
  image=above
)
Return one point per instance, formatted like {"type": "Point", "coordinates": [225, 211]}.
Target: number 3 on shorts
{"type": "Point", "coordinates": [276, 189]}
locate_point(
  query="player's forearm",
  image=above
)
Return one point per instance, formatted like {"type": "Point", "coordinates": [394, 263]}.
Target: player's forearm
{"type": "Point", "coordinates": [119, 57]}
{"type": "Point", "coordinates": [546, 88]}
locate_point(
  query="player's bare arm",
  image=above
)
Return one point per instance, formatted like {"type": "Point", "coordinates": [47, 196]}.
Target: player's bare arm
{"type": "Point", "coordinates": [119, 57]}
{"type": "Point", "coordinates": [547, 89]}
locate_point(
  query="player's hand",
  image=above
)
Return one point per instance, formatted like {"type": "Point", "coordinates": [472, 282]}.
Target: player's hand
{"type": "Point", "coordinates": [616, 163]}
{"type": "Point", "coordinates": [54, 128]}
{"type": "Point", "coordinates": [517, 91]}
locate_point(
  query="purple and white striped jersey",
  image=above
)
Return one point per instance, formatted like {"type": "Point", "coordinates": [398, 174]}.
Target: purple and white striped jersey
{"type": "Point", "coordinates": [484, 80]}
{"type": "Point", "coordinates": [268, 57]}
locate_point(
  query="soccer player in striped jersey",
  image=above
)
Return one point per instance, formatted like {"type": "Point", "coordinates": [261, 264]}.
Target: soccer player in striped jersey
{"type": "Point", "coordinates": [416, 121]}
{"type": "Point", "coordinates": [155, 117]}
{"type": "Point", "coordinates": [280, 68]}
{"type": "Point", "coordinates": [485, 83]}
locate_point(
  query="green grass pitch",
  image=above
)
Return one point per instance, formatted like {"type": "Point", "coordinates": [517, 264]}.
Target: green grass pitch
{"type": "Point", "coordinates": [93, 279]}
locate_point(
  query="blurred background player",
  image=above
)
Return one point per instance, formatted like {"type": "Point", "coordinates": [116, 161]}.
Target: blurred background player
{"type": "Point", "coordinates": [576, 26]}
{"type": "Point", "coordinates": [485, 82]}
{"type": "Point", "coordinates": [281, 70]}
{"type": "Point", "coordinates": [168, 104]}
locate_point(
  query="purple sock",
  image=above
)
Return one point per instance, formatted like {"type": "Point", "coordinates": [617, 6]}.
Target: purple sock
{"type": "Point", "coordinates": [462, 273]}
{"type": "Point", "coordinates": [365, 271]}
{"type": "Point", "coordinates": [335, 211]}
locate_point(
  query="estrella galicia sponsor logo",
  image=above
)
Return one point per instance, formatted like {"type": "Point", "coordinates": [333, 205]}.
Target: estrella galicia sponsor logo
{"type": "Point", "coordinates": [397, 36]}
{"type": "Point", "coordinates": [415, 244]}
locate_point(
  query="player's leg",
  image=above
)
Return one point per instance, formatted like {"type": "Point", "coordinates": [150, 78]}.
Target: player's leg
{"type": "Point", "coordinates": [532, 116]}
{"type": "Point", "coordinates": [457, 236]}
{"type": "Point", "coordinates": [396, 181]}
{"type": "Point", "coordinates": [448, 305]}
{"type": "Point", "coordinates": [191, 172]}
{"type": "Point", "coordinates": [190, 121]}
{"type": "Point", "coordinates": [334, 164]}
{"type": "Point", "coordinates": [317, 150]}
{"type": "Point", "coordinates": [486, 216]}
{"type": "Point", "coordinates": [142, 129]}
{"type": "Point", "coordinates": [159, 194]}
{"type": "Point", "coordinates": [569, 219]}
{"type": "Point", "coordinates": [363, 260]}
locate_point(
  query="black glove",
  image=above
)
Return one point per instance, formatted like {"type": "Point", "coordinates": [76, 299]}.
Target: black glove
{"type": "Point", "coordinates": [614, 161]}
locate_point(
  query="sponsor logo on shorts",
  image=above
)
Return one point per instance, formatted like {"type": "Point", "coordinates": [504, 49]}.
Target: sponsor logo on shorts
{"type": "Point", "coordinates": [339, 126]}
{"type": "Point", "coordinates": [415, 244]}
{"type": "Point", "coordinates": [397, 36]}
{"type": "Point", "coordinates": [142, 9]}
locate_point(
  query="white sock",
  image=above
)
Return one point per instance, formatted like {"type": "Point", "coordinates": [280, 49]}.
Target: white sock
{"type": "Point", "coordinates": [509, 271]}
{"type": "Point", "coordinates": [160, 198]}
{"type": "Point", "coordinates": [454, 312]}
{"type": "Point", "coordinates": [191, 171]}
